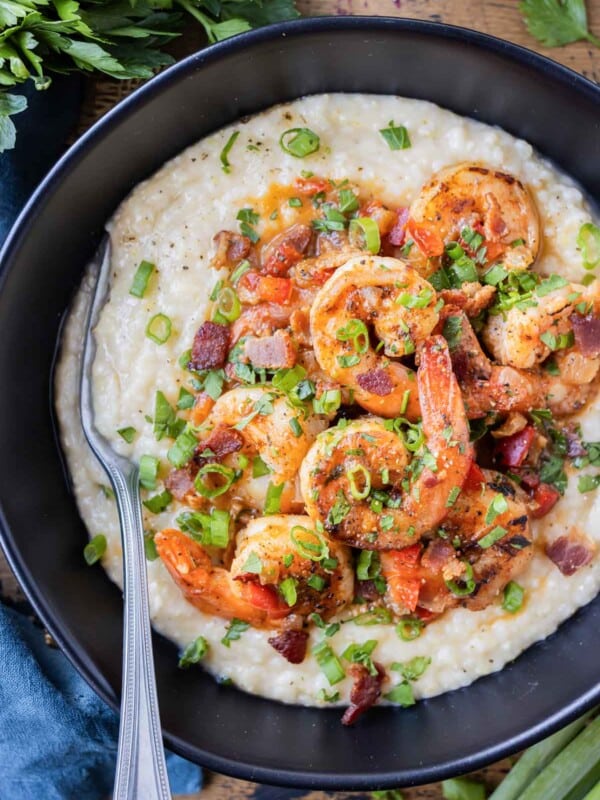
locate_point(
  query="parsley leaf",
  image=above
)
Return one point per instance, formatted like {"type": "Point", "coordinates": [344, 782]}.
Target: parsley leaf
{"type": "Point", "coordinates": [557, 22]}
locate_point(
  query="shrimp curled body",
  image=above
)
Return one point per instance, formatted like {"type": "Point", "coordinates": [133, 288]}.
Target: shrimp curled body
{"type": "Point", "coordinates": [347, 465]}
{"type": "Point", "coordinates": [384, 296]}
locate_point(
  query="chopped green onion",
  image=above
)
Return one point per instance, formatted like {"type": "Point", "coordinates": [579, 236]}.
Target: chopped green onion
{"type": "Point", "coordinates": [225, 165]}
{"type": "Point", "coordinates": [328, 402]}
{"type": "Point", "coordinates": [352, 474]}
{"type": "Point", "coordinates": [420, 300]}
{"type": "Point", "coordinates": [348, 361]}
{"type": "Point", "coordinates": [326, 697]}
{"type": "Point", "coordinates": [228, 304]}
{"type": "Point", "coordinates": [234, 631]}
{"type": "Point", "coordinates": [148, 471]}
{"type": "Point", "coordinates": [295, 202]}
{"type": "Point", "coordinates": [183, 448]}
{"type": "Point", "coordinates": [159, 328]}
{"type": "Point", "coordinates": [127, 433]}
{"type": "Point", "coordinates": [550, 284]}
{"type": "Point", "coordinates": [316, 582]}
{"type": "Point", "coordinates": [299, 142]}
{"type": "Point", "coordinates": [288, 591]}
{"type": "Point", "coordinates": [150, 550]}
{"type": "Point", "coordinates": [339, 510]}
{"type": "Point", "coordinates": [348, 201]}
{"type": "Point", "coordinates": [164, 416]}
{"type": "Point", "coordinates": [494, 275]}
{"type": "Point", "coordinates": [361, 654]}
{"type": "Point", "coordinates": [402, 695]}
{"type": "Point", "coordinates": [287, 378]}
{"type": "Point", "coordinates": [409, 629]}
{"type": "Point", "coordinates": [492, 537]}
{"type": "Point", "coordinates": [364, 232]}
{"type": "Point", "coordinates": [219, 528]}
{"type": "Point", "coordinates": [513, 597]}
{"type": "Point", "coordinates": [462, 789]}
{"type": "Point", "coordinates": [587, 483]}
{"type": "Point", "coordinates": [204, 489]}
{"type": "Point", "coordinates": [396, 136]}
{"type": "Point", "coordinates": [496, 507]}
{"type": "Point", "coordinates": [376, 616]}
{"type": "Point", "coordinates": [273, 498]}
{"type": "Point", "coordinates": [159, 502]}
{"type": "Point", "coordinates": [588, 241]}
{"type": "Point", "coordinates": [329, 663]}
{"type": "Point", "coordinates": [452, 496]}
{"type": "Point", "coordinates": [141, 278]}
{"type": "Point", "coordinates": [413, 669]}
{"type": "Point", "coordinates": [94, 549]}
{"type": "Point", "coordinates": [467, 585]}
{"type": "Point", "coordinates": [313, 548]}
{"type": "Point", "coordinates": [193, 653]}
{"type": "Point", "coordinates": [185, 399]}
{"type": "Point", "coordinates": [368, 565]}
{"type": "Point", "coordinates": [253, 564]}
{"type": "Point", "coordinates": [259, 468]}
{"type": "Point", "coordinates": [242, 268]}
{"type": "Point", "coordinates": [356, 332]}
{"type": "Point", "coordinates": [560, 342]}
{"type": "Point", "coordinates": [296, 427]}
{"type": "Point", "coordinates": [587, 279]}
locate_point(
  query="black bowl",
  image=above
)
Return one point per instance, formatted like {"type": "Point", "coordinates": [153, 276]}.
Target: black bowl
{"type": "Point", "coordinates": [221, 727]}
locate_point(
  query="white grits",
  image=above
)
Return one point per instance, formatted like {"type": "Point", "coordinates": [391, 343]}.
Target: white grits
{"type": "Point", "coordinates": [170, 220]}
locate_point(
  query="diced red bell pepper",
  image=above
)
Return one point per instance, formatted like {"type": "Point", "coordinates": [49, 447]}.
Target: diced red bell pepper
{"type": "Point", "coordinates": [546, 497]}
{"type": "Point", "coordinates": [427, 240]}
{"type": "Point", "coordinates": [512, 450]}
{"type": "Point", "coordinates": [397, 235]}
{"type": "Point", "coordinates": [475, 477]}
{"type": "Point", "coordinates": [267, 288]}
{"type": "Point", "coordinates": [264, 597]}
{"type": "Point", "coordinates": [311, 186]}
{"type": "Point", "coordinates": [283, 257]}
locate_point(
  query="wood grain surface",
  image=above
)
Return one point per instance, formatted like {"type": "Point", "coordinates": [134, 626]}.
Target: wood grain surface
{"type": "Point", "coordinates": [497, 17]}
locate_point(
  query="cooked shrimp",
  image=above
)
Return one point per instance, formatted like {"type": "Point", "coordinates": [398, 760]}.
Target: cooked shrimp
{"type": "Point", "coordinates": [515, 337]}
{"type": "Point", "coordinates": [487, 541]}
{"type": "Point", "coordinates": [391, 298]}
{"type": "Point", "coordinates": [255, 596]}
{"type": "Point", "coordinates": [351, 473]}
{"type": "Point", "coordinates": [488, 387]}
{"type": "Point", "coordinates": [488, 201]}
{"type": "Point", "coordinates": [262, 418]}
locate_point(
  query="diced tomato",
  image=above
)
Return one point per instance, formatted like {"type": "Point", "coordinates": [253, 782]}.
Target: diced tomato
{"type": "Point", "coordinates": [310, 186]}
{"type": "Point", "coordinates": [512, 451]}
{"type": "Point", "coordinates": [264, 597]}
{"type": "Point", "coordinates": [283, 257]}
{"type": "Point", "coordinates": [427, 240]}
{"type": "Point", "coordinates": [202, 407]}
{"type": "Point", "coordinates": [475, 477]}
{"type": "Point", "coordinates": [266, 288]}
{"type": "Point", "coordinates": [424, 614]}
{"type": "Point", "coordinates": [546, 497]}
{"type": "Point", "coordinates": [397, 235]}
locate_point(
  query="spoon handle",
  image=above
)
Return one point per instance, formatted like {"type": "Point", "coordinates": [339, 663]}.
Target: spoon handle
{"type": "Point", "coordinates": [141, 769]}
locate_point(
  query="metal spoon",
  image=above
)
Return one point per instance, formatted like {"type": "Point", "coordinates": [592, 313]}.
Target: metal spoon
{"type": "Point", "coordinates": [141, 769]}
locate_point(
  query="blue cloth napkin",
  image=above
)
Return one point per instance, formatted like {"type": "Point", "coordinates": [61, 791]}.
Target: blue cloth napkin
{"type": "Point", "coordinates": [58, 739]}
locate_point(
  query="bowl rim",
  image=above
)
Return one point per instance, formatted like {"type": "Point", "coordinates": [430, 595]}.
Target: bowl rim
{"type": "Point", "coordinates": [65, 165]}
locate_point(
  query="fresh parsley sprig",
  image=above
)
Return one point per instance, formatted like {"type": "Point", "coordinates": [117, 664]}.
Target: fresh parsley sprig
{"type": "Point", "coordinates": [115, 37]}
{"type": "Point", "coordinates": [557, 22]}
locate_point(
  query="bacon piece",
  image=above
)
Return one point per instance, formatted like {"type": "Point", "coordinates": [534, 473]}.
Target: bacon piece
{"type": "Point", "coordinates": [271, 352]}
{"type": "Point", "coordinates": [364, 693]}
{"type": "Point", "coordinates": [437, 554]}
{"type": "Point", "coordinates": [291, 645]}
{"type": "Point", "coordinates": [397, 235]}
{"type": "Point", "coordinates": [222, 442]}
{"type": "Point", "coordinates": [587, 334]}
{"type": "Point", "coordinates": [181, 481]}
{"type": "Point", "coordinates": [210, 347]}
{"type": "Point", "coordinates": [473, 298]}
{"type": "Point", "coordinates": [231, 248]}
{"type": "Point", "coordinates": [376, 381]}
{"type": "Point", "coordinates": [286, 249]}
{"type": "Point", "coordinates": [570, 553]}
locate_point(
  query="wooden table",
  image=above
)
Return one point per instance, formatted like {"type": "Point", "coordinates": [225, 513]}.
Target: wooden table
{"type": "Point", "coordinates": [498, 17]}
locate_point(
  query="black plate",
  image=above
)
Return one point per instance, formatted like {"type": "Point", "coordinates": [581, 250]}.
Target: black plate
{"type": "Point", "coordinates": [227, 730]}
